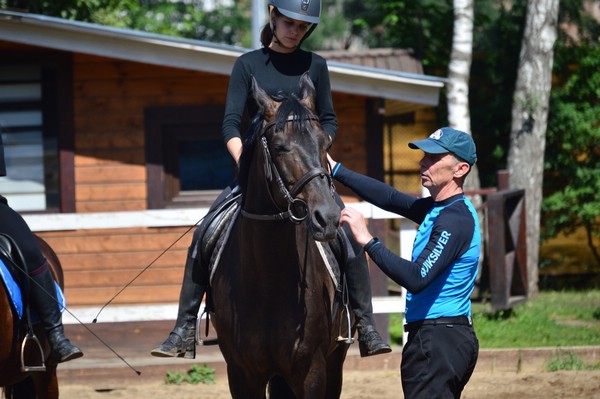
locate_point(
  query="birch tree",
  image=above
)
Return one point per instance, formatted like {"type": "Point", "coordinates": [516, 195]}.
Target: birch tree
{"type": "Point", "coordinates": [458, 77]}
{"type": "Point", "coordinates": [457, 93]}
{"type": "Point", "coordinates": [525, 161]}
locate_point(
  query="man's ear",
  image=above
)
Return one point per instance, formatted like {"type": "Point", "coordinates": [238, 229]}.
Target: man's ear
{"type": "Point", "coordinates": [462, 169]}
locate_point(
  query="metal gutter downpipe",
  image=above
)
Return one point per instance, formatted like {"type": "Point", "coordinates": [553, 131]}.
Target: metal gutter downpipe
{"type": "Point", "coordinates": [259, 13]}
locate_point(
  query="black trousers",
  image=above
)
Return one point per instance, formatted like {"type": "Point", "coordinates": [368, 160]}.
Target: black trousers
{"type": "Point", "coordinates": [438, 361]}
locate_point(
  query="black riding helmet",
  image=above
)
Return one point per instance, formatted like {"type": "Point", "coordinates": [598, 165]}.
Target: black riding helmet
{"type": "Point", "coordinates": [301, 10]}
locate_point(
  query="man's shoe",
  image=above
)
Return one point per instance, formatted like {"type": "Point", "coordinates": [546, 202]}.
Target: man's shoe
{"type": "Point", "coordinates": [370, 342]}
{"type": "Point", "coordinates": [180, 343]}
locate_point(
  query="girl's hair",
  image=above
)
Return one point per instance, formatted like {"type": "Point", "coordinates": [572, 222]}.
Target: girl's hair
{"type": "Point", "coordinates": [266, 34]}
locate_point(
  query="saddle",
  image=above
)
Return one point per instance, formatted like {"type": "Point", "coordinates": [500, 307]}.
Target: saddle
{"type": "Point", "coordinates": [216, 222]}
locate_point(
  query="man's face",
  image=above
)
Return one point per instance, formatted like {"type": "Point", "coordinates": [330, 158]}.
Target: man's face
{"type": "Point", "coordinates": [437, 170]}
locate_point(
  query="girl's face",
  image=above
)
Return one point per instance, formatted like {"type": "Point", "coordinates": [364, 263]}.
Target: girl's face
{"type": "Point", "coordinates": [288, 33]}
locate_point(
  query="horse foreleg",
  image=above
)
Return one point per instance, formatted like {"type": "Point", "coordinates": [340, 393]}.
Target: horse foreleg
{"type": "Point", "coordinates": [335, 371]}
{"type": "Point", "coordinates": [243, 385]}
{"type": "Point", "coordinates": [46, 383]}
{"type": "Point", "coordinates": [313, 383]}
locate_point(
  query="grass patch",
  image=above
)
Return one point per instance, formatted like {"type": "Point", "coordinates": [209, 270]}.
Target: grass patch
{"type": "Point", "coordinates": [564, 360]}
{"type": "Point", "coordinates": [196, 375]}
{"type": "Point", "coordinates": [553, 319]}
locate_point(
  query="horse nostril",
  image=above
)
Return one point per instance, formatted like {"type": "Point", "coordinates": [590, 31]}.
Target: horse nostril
{"type": "Point", "coordinates": [319, 219]}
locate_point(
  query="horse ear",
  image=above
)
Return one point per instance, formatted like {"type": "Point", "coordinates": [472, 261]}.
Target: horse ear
{"type": "Point", "coordinates": [265, 103]}
{"type": "Point", "coordinates": [307, 91]}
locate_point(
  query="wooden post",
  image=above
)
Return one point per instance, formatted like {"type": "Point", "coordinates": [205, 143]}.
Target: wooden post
{"type": "Point", "coordinates": [507, 249]}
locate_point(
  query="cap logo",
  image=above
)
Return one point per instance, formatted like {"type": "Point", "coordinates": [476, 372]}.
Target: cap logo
{"type": "Point", "coordinates": [436, 135]}
{"type": "Point", "coordinates": [304, 5]}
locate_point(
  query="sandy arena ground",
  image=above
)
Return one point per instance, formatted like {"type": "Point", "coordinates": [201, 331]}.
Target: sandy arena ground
{"type": "Point", "coordinates": [502, 374]}
{"type": "Point", "coordinates": [377, 385]}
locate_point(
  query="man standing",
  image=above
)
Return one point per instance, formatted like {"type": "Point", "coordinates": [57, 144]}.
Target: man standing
{"type": "Point", "coordinates": [442, 348]}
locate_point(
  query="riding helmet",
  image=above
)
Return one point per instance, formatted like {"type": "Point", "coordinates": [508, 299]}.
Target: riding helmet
{"type": "Point", "coordinates": [302, 10]}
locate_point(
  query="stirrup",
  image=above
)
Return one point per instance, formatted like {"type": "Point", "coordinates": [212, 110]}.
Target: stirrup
{"type": "Point", "coordinates": [345, 299]}
{"type": "Point", "coordinates": [206, 341]}
{"type": "Point", "coordinates": [26, 368]}
{"type": "Point", "coordinates": [349, 340]}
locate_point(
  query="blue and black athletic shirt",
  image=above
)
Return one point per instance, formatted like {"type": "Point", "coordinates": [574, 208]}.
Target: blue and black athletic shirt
{"type": "Point", "coordinates": [441, 274]}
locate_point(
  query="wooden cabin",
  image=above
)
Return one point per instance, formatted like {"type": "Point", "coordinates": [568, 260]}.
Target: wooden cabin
{"type": "Point", "coordinates": [114, 148]}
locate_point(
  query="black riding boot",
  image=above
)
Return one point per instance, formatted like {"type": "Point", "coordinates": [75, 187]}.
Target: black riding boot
{"type": "Point", "coordinates": [182, 340]}
{"type": "Point", "coordinates": [44, 299]}
{"type": "Point", "coordinates": [359, 290]}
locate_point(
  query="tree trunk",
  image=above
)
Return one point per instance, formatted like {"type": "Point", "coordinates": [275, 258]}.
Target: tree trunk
{"type": "Point", "coordinates": [529, 120]}
{"type": "Point", "coordinates": [458, 98]}
{"type": "Point", "coordinates": [458, 79]}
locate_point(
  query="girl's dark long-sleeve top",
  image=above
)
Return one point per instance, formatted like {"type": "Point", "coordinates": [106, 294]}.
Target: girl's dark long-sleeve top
{"type": "Point", "coordinates": [276, 73]}
{"type": "Point", "coordinates": [441, 274]}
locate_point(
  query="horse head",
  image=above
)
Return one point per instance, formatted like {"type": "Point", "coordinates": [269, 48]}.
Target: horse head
{"type": "Point", "coordinates": [289, 155]}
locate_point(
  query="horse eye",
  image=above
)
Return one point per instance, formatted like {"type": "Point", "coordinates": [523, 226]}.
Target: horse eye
{"type": "Point", "coordinates": [281, 148]}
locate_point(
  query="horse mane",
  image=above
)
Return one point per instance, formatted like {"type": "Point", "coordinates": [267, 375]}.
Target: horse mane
{"type": "Point", "coordinates": [289, 105]}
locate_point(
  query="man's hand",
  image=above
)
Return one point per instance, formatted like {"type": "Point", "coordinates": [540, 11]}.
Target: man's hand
{"type": "Point", "coordinates": [357, 224]}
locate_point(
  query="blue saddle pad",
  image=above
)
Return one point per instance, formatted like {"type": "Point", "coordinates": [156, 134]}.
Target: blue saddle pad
{"type": "Point", "coordinates": [14, 292]}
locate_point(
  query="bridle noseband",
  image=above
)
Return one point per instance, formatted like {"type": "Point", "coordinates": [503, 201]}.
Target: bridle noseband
{"type": "Point", "coordinates": [297, 209]}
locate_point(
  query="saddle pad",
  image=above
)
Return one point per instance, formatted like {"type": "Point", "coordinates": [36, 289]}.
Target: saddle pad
{"type": "Point", "coordinates": [14, 292]}
{"type": "Point", "coordinates": [12, 289]}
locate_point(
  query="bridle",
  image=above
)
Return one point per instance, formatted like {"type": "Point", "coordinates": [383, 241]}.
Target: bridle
{"type": "Point", "coordinates": [297, 209]}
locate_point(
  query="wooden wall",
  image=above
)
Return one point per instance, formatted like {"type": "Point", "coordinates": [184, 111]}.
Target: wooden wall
{"type": "Point", "coordinates": [98, 264]}
{"type": "Point", "coordinates": [109, 101]}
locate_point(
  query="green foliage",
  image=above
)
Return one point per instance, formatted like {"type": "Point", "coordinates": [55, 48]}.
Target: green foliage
{"type": "Point", "coordinates": [196, 375]}
{"type": "Point", "coordinates": [79, 10]}
{"type": "Point", "coordinates": [422, 25]}
{"type": "Point", "coordinates": [334, 30]}
{"type": "Point", "coordinates": [553, 319]}
{"type": "Point", "coordinates": [569, 361]}
{"type": "Point", "coordinates": [229, 25]}
{"type": "Point", "coordinates": [572, 161]}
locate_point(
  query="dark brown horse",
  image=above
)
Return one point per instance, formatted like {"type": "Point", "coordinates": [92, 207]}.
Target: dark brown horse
{"type": "Point", "coordinates": [27, 384]}
{"type": "Point", "coordinates": [276, 308]}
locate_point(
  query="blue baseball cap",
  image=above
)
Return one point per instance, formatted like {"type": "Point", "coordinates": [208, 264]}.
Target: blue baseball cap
{"type": "Point", "coordinates": [446, 140]}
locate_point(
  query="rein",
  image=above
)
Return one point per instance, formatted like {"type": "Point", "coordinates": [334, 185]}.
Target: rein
{"type": "Point", "coordinates": [297, 209]}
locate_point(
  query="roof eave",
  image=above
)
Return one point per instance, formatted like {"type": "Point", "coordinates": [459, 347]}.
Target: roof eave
{"type": "Point", "coordinates": [124, 44]}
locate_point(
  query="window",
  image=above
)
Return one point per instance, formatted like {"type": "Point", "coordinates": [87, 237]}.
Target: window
{"type": "Point", "coordinates": [188, 164]}
{"type": "Point", "coordinates": [36, 122]}
{"type": "Point", "coordinates": [30, 142]}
